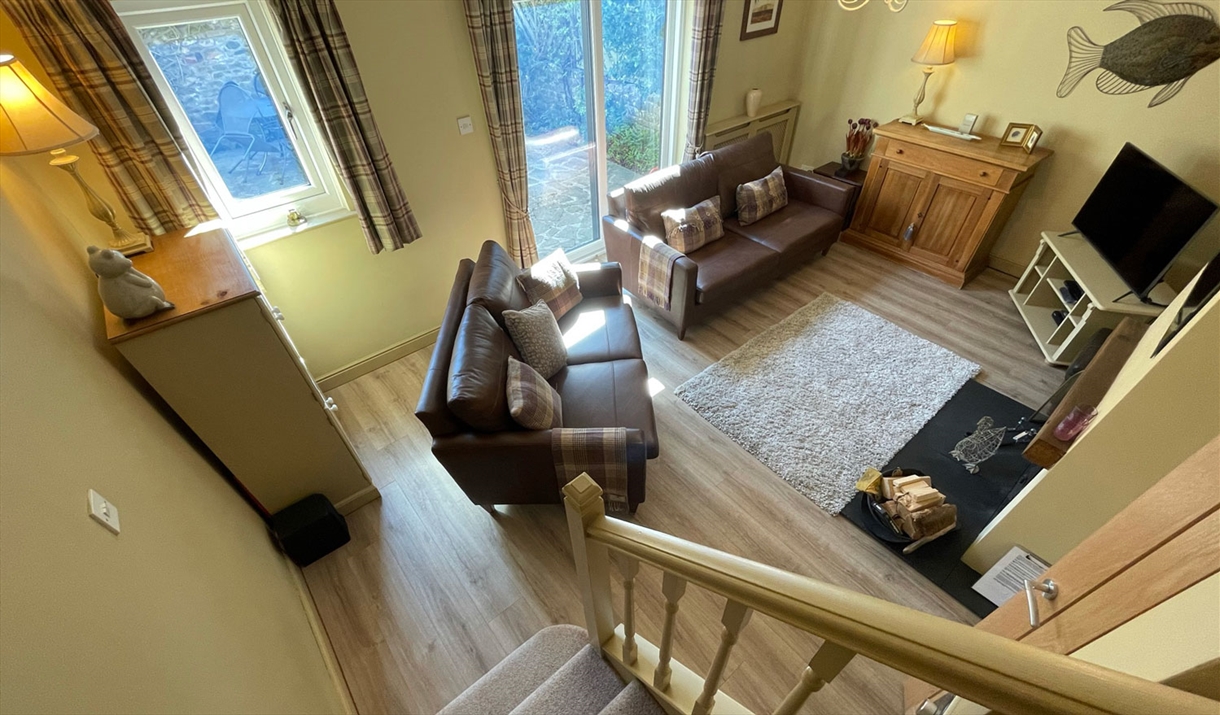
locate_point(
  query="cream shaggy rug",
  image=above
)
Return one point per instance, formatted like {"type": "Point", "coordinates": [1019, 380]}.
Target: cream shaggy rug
{"type": "Point", "coordinates": [824, 394]}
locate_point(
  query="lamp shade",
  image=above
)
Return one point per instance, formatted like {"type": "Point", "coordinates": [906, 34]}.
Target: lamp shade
{"type": "Point", "coordinates": [937, 47]}
{"type": "Point", "coordinates": [33, 120]}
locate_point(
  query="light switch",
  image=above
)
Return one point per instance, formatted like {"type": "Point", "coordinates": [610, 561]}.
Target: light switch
{"type": "Point", "coordinates": [103, 512]}
{"type": "Point", "coordinates": [465, 124]}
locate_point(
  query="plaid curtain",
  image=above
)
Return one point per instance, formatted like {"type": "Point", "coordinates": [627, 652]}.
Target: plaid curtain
{"type": "Point", "coordinates": [94, 65]}
{"type": "Point", "coordinates": [494, 42]}
{"type": "Point", "coordinates": [322, 57]}
{"type": "Point", "coordinates": [709, 15]}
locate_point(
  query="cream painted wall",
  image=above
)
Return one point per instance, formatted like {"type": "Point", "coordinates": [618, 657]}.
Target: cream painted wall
{"type": "Point", "coordinates": [342, 303]}
{"type": "Point", "coordinates": [1160, 410]}
{"type": "Point", "coordinates": [191, 608]}
{"type": "Point", "coordinates": [1012, 55]}
{"type": "Point", "coordinates": [769, 63]}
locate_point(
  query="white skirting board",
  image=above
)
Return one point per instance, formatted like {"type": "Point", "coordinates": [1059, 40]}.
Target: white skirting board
{"type": "Point", "coordinates": [338, 680]}
{"type": "Point", "coordinates": [368, 364]}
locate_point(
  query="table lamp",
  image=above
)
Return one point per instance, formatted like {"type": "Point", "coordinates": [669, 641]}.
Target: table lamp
{"type": "Point", "coordinates": [33, 120]}
{"type": "Point", "coordinates": [936, 51]}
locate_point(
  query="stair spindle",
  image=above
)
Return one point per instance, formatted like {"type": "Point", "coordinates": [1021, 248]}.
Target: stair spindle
{"type": "Point", "coordinates": [631, 567]}
{"type": "Point", "coordinates": [824, 667]}
{"type": "Point", "coordinates": [735, 618]}
{"type": "Point", "coordinates": [672, 587]}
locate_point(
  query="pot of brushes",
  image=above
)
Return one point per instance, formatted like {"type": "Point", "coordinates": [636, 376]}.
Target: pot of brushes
{"type": "Point", "coordinates": [859, 138]}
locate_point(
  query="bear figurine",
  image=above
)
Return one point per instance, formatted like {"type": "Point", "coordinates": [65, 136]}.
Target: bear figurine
{"type": "Point", "coordinates": [125, 291]}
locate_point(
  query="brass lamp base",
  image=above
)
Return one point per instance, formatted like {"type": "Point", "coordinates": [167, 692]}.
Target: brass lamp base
{"type": "Point", "coordinates": [913, 117]}
{"type": "Point", "coordinates": [121, 240]}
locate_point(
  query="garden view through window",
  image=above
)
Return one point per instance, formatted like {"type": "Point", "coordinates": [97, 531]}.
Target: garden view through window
{"type": "Point", "coordinates": [215, 78]}
{"type": "Point", "coordinates": [555, 42]}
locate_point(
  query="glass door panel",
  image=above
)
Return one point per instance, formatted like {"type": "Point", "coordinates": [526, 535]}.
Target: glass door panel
{"type": "Point", "coordinates": [585, 66]}
{"type": "Point", "coordinates": [560, 150]}
{"type": "Point", "coordinates": [633, 49]}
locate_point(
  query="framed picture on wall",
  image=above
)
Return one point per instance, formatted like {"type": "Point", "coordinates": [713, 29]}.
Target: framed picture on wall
{"type": "Point", "coordinates": [760, 17]}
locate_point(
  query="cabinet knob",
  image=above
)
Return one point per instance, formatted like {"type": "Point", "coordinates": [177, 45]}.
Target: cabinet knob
{"type": "Point", "coordinates": [329, 403]}
{"type": "Point", "coordinates": [897, 151]}
{"type": "Point", "coordinates": [277, 314]}
{"type": "Point", "coordinates": [982, 173]}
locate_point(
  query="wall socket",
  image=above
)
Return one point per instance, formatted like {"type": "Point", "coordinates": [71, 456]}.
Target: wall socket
{"type": "Point", "coordinates": [465, 125]}
{"type": "Point", "coordinates": [103, 512]}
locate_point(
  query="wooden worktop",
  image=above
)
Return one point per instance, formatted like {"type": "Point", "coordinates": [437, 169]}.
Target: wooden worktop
{"type": "Point", "coordinates": [199, 272]}
{"type": "Point", "coordinates": [987, 149]}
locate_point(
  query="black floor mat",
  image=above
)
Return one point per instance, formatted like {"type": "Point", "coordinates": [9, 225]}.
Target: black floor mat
{"type": "Point", "coordinates": [978, 497]}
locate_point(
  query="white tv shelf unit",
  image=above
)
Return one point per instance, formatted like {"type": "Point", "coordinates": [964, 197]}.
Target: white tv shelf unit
{"type": "Point", "coordinates": [1036, 295]}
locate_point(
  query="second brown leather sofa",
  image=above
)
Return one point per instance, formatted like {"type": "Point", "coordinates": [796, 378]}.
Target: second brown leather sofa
{"type": "Point", "coordinates": [722, 272]}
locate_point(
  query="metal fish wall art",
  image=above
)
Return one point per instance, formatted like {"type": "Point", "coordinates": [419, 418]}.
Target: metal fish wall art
{"type": "Point", "coordinates": [1173, 42]}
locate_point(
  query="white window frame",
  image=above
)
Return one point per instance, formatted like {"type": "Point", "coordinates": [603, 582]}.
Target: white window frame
{"type": "Point", "coordinates": [262, 219]}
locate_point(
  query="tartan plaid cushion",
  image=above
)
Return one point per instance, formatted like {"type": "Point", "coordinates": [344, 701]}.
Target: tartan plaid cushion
{"type": "Point", "coordinates": [762, 197]}
{"type": "Point", "coordinates": [532, 402]}
{"type": "Point", "coordinates": [688, 229]}
{"type": "Point", "coordinates": [552, 280]}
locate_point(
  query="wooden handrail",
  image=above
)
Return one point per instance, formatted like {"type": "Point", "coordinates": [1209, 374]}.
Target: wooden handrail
{"type": "Point", "coordinates": [1005, 675]}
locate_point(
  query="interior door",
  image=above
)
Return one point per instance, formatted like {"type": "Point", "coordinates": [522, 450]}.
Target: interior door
{"type": "Point", "coordinates": [1163, 543]}
{"type": "Point", "coordinates": [889, 212]}
{"type": "Point", "coordinates": [948, 221]}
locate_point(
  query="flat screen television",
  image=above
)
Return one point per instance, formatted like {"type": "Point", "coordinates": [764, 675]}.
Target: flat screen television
{"type": "Point", "coordinates": [1140, 217]}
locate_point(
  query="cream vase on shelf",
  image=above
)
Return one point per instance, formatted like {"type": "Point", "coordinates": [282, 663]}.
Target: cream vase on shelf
{"type": "Point", "coordinates": [753, 102]}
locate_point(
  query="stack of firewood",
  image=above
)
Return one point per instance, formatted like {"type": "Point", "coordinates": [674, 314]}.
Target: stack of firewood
{"type": "Point", "coordinates": [913, 505]}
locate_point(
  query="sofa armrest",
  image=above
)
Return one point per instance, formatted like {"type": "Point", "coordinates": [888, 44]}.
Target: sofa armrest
{"type": "Point", "coordinates": [517, 468]}
{"type": "Point", "coordinates": [830, 194]}
{"type": "Point", "coordinates": [623, 245]}
{"type": "Point", "coordinates": [599, 280]}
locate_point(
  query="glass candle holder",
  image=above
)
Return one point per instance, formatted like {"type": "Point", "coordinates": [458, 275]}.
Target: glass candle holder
{"type": "Point", "coordinates": [1075, 422]}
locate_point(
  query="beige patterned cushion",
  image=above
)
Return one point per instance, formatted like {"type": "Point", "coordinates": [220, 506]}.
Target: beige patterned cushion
{"type": "Point", "coordinates": [552, 280]}
{"type": "Point", "coordinates": [688, 229]}
{"type": "Point", "coordinates": [532, 402]}
{"type": "Point", "coordinates": [538, 338]}
{"type": "Point", "coordinates": [761, 198]}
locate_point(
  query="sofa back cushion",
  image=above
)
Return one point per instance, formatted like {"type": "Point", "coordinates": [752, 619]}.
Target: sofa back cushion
{"type": "Point", "coordinates": [493, 284]}
{"type": "Point", "coordinates": [432, 408]}
{"type": "Point", "coordinates": [686, 184]}
{"type": "Point", "coordinates": [740, 163]}
{"type": "Point", "coordinates": [478, 372]}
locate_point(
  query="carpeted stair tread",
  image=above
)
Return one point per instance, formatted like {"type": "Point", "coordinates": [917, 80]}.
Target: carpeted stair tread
{"type": "Point", "coordinates": [583, 686]}
{"type": "Point", "coordinates": [513, 679]}
{"type": "Point", "coordinates": [633, 700]}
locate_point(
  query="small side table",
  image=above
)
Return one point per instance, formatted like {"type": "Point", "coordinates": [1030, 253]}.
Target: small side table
{"type": "Point", "coordinates": [855, 178]}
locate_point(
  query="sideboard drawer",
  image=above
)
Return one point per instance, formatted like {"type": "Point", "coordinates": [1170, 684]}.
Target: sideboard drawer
{"type": "Point", "coordinates": [960, 167]}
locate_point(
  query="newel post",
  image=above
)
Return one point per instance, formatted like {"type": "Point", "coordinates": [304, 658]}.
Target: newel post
{"type": "Point", "coordinates": [583, 502]}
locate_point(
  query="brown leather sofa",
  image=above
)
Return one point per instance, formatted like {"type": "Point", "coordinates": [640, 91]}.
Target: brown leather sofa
{"type": "Point", "coordinates": [463, 402]}
{"type": "Point", "coordinates": [722, 272]}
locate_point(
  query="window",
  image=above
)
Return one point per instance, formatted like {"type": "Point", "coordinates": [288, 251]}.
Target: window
{"type": "Point", "coordinates": [249, 133]}
{"type": "Point", "coordinates": [599, 89]}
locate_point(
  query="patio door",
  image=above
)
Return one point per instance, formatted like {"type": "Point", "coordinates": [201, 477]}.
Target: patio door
{"type": "Point", "coordinates": [598, 83]}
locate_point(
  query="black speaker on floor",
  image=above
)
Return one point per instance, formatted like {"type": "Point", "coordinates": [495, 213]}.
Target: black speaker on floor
{"type": "Point", "coordinates": [309, 529]}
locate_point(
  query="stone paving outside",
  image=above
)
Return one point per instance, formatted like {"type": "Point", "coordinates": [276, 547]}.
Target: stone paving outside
{"type": "Point", "coordinates": [561, 205]}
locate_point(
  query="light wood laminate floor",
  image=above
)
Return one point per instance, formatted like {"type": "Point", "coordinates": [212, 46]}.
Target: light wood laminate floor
{"type": "Point", "coordinates": [432, 591]}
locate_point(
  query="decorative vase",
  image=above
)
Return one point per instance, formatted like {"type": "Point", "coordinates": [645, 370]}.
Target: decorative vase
{"type": "Point", "coordinates": [848, 164]}
{"type": "Point", "coordinates": [753, 102]}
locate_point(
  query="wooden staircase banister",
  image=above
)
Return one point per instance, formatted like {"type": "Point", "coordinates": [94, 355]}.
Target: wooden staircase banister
{"type": "Point", "coordinates": [999, 673]}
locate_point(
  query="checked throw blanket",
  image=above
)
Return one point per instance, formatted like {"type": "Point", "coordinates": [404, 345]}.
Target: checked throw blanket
{"type": "Point", "coordinates": [599, 452]}
{"type": "Point", "coordinates": [656, 270]}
